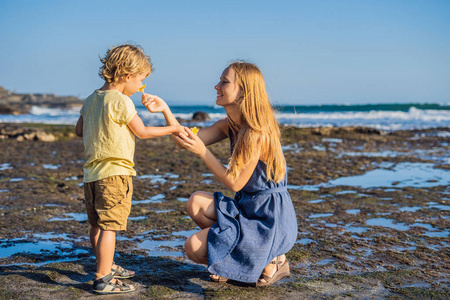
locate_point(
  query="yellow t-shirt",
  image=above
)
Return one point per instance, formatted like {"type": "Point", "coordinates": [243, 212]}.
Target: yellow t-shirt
{"type": "Point", "coordinates": [108, 142]}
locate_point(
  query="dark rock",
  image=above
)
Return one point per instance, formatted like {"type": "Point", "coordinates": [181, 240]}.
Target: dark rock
{"type": "Point", "coordinates": [200, 116]}
{"type": "Point", "coordinates": [6, 110]}
{"type": "Point", "coordinates": [22, 133]}
{"type": "Point", "coordinates": [180, 120]}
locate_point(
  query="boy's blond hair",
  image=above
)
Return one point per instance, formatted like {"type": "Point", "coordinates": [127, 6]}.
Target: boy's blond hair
{"type": "Point", "coordinates": [123, 60]}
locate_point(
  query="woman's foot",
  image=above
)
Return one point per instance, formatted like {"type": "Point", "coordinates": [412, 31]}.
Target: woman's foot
{"type": "Point", "coordinates": [277, 269]}
{"type": "Point", "coordinates": [217, 278]}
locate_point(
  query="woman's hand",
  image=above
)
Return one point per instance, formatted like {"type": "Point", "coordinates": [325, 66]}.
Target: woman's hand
{"type": "Point", "coordinates": [191, 142]}
{"type": "Point", "coordinates": [153, 103]}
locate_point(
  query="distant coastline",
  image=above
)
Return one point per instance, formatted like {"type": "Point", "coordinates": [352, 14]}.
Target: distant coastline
{"type": "Point", "coordinates": [16, 104]}
{"type": "Point", "coordinates": [52, 109]}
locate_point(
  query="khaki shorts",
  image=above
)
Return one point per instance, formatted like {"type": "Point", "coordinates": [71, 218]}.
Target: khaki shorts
{"type": "Point", "coordinates": [108, 202]}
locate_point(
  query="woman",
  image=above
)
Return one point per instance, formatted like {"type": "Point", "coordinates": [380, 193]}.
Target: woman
{"type": "Point", "coordinates": [244, 238]}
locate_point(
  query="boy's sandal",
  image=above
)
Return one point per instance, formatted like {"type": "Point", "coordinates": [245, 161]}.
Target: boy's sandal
{"type": "Point", "coordinates": [217, 278]}
{"type": "Point", "coordinates": [104, 286]}
{"type": "Point", "coordinates": [121, 273]}
{"type": "Point", "coordinates": [281, 272]}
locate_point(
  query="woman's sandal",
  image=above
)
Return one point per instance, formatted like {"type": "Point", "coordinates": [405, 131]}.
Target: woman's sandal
{"type": "Point", "coordinates": [104, 286]}
{"type": "Point", "coordinates": [281, 272]}
{"type": "Point", "coordinates": [121, 273]}
{"type": "Point", "coordinates": [218, 278]}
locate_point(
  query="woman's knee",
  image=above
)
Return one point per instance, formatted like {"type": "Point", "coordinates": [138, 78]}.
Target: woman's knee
{"type": "Point", "coordinates": [194, 203]}
{"type": "Point", "coordinates": [191, 249]}
{"type": "Point", "coordinates": [188, 248]}
{"type": "Point", "coordinates": [196, 248]}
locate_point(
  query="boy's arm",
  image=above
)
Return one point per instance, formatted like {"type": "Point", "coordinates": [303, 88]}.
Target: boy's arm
{"type": "Point", "coordinates": [79, 127]}
{"type": "Point", "coordinates": [156, 104]}
{"type": "Point", "coordinates": [143, 132]}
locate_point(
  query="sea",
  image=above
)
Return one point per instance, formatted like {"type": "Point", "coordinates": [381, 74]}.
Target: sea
{"type": "Point", "coordinates": [389, 117]}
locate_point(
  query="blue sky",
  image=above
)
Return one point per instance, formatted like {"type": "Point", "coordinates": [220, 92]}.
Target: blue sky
{"type": "Point", "coordinates": [310, 52]}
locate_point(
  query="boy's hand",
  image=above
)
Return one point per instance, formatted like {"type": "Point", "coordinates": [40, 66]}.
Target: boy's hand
{"type": "Point", "coordinates": [153, 103]}
{"type": "Point", "coordinates": [192, 142]}
{"type": "Point", "coordinates": [179, 129]}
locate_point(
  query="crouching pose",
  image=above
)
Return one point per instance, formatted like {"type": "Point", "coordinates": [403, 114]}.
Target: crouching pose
{"type": "Point", "coordinates": [243, 238]}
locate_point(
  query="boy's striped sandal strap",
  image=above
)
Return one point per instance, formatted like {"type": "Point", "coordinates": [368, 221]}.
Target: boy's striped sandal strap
{"type": "Point", "coordinates": [119, 272]}
{"type": "Point", "coordinates": [104, 286]}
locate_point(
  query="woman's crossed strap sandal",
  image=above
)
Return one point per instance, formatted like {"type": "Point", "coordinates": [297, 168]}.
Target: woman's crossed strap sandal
{"type": "Point", "coordinates": [217, 278]}
{"type": "Point", "coordinates": [121, 273]}
{"type": "Point", "coordinates": [105, 286]}
{"type": "Point", "coordinates": [280, 273]}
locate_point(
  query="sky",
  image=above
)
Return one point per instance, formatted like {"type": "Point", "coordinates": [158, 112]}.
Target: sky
{"type": "Point", "coordinates": [310, 52]}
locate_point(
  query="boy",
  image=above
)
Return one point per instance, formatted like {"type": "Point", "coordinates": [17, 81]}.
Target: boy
{"type": "Point", "coordinates": [108, 124]}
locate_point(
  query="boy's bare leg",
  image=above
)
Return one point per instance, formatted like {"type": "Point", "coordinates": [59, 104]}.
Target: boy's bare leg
{"type": "Point", "coordinates": [93, 236]}
{"type": "Point", "coordinates": [94, 233]}
{"type": "Point", "coordinates": [106, 245]}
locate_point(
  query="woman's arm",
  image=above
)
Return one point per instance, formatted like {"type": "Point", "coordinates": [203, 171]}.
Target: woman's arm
{"type": "Point", "coordinates": [143, 132]}
{"type": "Point", "coordinates": [214, 133]}
{"type": "Point", "coordinates": [209, 135]}
{"type": "Point", "coordinates": [79, 127]}
{"type": "Point", "coordinates": [194, 144]}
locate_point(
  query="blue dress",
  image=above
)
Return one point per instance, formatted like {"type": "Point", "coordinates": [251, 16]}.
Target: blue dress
{"type": "Point", "coordinates": [256, 226]}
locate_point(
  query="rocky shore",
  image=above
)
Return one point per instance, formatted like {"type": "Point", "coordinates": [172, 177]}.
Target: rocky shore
{"type": "Point", "coordinates": [373, 211]}
{"type": "Point", "coordinates": [15, 104]}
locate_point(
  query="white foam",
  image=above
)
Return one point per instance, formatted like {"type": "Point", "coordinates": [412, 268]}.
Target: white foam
{"type": "Point", "coordinates": [384, 120]}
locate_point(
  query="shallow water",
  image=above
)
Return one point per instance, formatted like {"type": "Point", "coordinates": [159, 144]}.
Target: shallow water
{"type": "Point", "coordinates": [161, 179]}
{"type": "Point", "coordinates": [51, 167]}
{"type": "Point", "coordinates": [345, 192]}
{"type": "Point", "coordinates": [155, 199]}
{"type": "Point", "coordinates": [401, 175]}
{"type": "Point", "coordinates": [5, 166]}
{"type": "Point", "coordinates": [305, 241]}
{"type": "Point", "coordinates": [16, 179]}
{"type": "Point", "coordinates": [355, 229]}
{"type": "Point", "coordinates": [387, 223]}
{"type": "Point", "coordinates": [137, 218]}
{"type": "Point", "coordinates": [316, 201]}
{"type": "Point", "coordinates": [321, 215]}
{"type": "Point", "coordinates": [80, 217]}
{"type": "Point", "coordinates": [411, 208]}
{"type": "Point", "coordinates": [163, 211]}
{"type": "Point", "coordinates": [38, 244]}
{"type": "Point", "coordinates": [162, 248]}
{"type": "Point", "coordinates": [186, 233]}
{"type": "Point", "coordinates": [332, 140]}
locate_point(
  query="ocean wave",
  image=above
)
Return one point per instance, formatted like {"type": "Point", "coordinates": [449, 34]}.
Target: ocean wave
{"type": "Point", "coordinates": [413, 118]}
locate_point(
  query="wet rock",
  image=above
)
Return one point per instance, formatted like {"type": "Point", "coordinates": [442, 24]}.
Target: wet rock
{"type": "Point", "coordinates": [12, 131]}
{"type": "Point", "coordinates": [327, 131]}
{"type": "Point", "coordinates": [322, 130]}
{"type": "Point", "coordinates": [45, 137]}
{"type": "Point", "coordinates": [7, 110]}
{"type": "Point", "coordinates": [180, 120]}
{"type": "Point", "coordinates": [200, 116]}
{"type": "Point", "coordinates": [13, 103]}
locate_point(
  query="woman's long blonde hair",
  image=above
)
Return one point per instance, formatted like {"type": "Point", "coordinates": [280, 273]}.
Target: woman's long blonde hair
{"type": "Point", "coordinates": [259, 129]}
